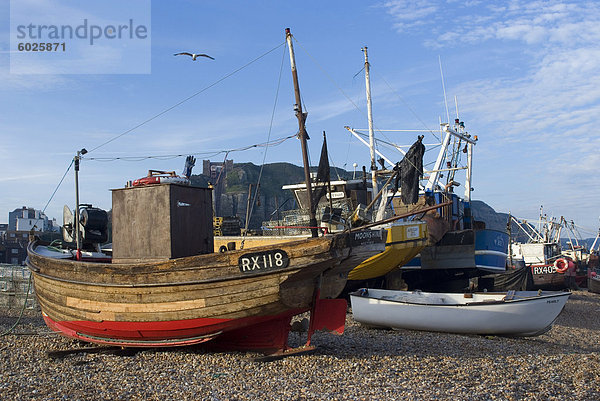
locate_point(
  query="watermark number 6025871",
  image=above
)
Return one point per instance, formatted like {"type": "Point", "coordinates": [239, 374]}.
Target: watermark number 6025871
{"type": "Point", "coordinates": [41, 47]}
{"type": "Point", "coordinates": [80, 37]}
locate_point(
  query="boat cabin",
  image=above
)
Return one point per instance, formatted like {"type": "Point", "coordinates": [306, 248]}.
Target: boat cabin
{"type": "Point", "coordinates": [346, 196]}
{"type": "Point", "coordinates": [357, 191]}
{"type": "Point", "coordinates": [536, 253]}
{"type": "Point", "coordinates": [158, 222]}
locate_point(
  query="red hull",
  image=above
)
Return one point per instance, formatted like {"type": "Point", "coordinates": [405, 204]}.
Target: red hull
{"type": "Point", "coordinates": [251, 333]}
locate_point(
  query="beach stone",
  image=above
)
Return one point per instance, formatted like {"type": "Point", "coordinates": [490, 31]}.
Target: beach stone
{"type": "Point", "coordinates": [362, 364]}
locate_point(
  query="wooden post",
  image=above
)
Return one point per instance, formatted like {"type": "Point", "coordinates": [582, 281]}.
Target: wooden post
{"type": "Point", "coordinates": [370, 118]}
{"type": "Point", "coordinates": [303, 136]}
{"type": "Point", "coordinates": [247, 223]}
{"type": "Point", "coordinates": [76, 223]}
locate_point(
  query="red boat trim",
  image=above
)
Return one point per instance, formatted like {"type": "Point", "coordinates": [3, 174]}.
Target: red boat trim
{"type": "Point", "coordinates": [163, 333]}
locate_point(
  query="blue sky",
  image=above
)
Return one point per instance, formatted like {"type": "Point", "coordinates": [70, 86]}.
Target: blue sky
{"type": "Point", "coordinates": [526, 75]}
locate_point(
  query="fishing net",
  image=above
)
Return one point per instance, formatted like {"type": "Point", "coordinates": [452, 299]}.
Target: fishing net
{"type": "Point", "coordinates": [411, 170]}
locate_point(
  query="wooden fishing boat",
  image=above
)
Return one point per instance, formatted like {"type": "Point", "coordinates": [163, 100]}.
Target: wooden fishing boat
{"type": "Point", "coordinates": [517, 313]}
{"type": "Point", "coordinates": [197, 298]}
{"type": "Point", "coordinates": [544, 255]}
{"type": "Point", "coordinates": [166, 287]}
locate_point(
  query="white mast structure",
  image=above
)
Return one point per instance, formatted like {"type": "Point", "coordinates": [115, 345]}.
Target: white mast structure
{"type": "Point", "coordinates": [595, 240]}
{"type": "Point", "coordinates": [370, 118]}
{"type": "Point", "coordinates": [458, 131]}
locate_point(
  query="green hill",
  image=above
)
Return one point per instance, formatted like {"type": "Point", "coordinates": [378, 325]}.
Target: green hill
{"type": "Point", "coordinates": [233, 200]}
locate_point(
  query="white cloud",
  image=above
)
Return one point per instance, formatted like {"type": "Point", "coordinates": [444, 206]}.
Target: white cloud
{"type": "Point", "coordinates": [408, 13]}
{"type": "Point", "coordinates": [540, 111]}
{"type": "Point", "coordinates": [24, 177]}
{"type": "Point", "coordinates": [76, 54]}
{"type": "Point", "coordinates": [545, 23]}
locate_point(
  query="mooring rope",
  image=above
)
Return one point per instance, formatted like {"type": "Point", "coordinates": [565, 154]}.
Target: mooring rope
{"type": "Point", "coordinates": [187, 98]}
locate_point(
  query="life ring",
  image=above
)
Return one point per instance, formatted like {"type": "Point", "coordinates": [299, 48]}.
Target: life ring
{"type": "Point", "coordinates": [222, 249]}
{"type": "Point", "coordinates": [561, 265]}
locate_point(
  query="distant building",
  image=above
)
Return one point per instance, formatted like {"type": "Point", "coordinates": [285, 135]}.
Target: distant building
{"type": "Point", "coordinates": [217, 173]}
{"type": "Point", "coordinates": [15, 235]}
{"type": "Point", "coordinates": [15, 247]}
{"type": "Point", "coordinates": [214, 169]}
{"type": "Point", "coordinates": [27, 219]}
{"type": "Point", "coordinates": [3, 228]}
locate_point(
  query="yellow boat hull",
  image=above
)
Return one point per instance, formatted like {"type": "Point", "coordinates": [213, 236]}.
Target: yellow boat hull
{"type": "Point", "coordinates": [403, 243]}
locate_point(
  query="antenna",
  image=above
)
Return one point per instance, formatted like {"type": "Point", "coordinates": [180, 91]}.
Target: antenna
{"type": "Point", "coordinates": [456, 105]}
{"type": "Point", "coordinates": [444, 88]}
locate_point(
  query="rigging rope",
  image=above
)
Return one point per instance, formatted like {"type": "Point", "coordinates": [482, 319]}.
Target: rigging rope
{"type": "Point", "coordinates": [187, 98]}
{"type": "Point", "coordinates": [166, 157]}
{"type": "Point", "coordinates": [332, 81]}
{"type": "Point", "coordinates": [347, 97]}
{"type": "Point", "coordinates": [58, 186]}
{"type": "Point", "coordinates": [408, 107]}
{"type": "Point", "coordinates": [256, 192]}
{"type": "Point", "coordinates": [275, 142]}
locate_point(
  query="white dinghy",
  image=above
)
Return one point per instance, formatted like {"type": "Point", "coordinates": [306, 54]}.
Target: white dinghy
{"type": "Point", "coordinates": [517, 313]}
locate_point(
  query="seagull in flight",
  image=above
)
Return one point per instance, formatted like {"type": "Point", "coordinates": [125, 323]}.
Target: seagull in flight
{"type": "Point", "coordinates": [193, 55]}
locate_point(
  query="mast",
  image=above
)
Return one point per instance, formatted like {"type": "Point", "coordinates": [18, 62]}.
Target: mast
{"type": "Point", "coordinates": [370, 118]}
{"type": "Point", "coordinates": [303, 136]}
{"type": "Point", "coordinates": [468, 181]}
{"type": "Point", "coordinates": [437, 168]}
{"type": "Point", "coordinates": [595, 240]}
{"type": "Point", "coordinates": [433, 178]}
{"type": "Point", "coordinates": [76, 222]}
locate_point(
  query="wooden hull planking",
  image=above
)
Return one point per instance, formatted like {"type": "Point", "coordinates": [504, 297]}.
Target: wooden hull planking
{"type": "Point", "coordinates": [192, 299]}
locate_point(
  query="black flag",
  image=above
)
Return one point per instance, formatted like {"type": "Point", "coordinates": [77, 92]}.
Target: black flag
{"type": "Point", "coordinates": [411, 170]}
{"type": "Point", "coordinates": [322, 175]}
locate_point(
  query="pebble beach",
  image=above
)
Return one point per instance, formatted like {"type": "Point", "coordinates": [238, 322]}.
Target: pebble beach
{"type": "Point", "coordinates": [362, 364]}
